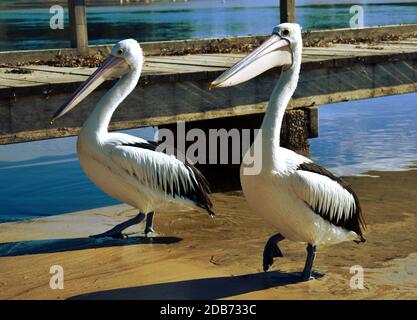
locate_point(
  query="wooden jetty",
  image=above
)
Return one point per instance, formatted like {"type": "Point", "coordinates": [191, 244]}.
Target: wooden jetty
{"type": "Point", "coordinates": [175, 88]}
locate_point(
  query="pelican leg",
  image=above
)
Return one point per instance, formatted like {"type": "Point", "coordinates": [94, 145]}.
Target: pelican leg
{"type": "Point", "coordinates": [149, 231]}
{"type": "Point", "coordinates": [272, 250]}
{"type": "Point", "coordinates": [116, 232]}
{"type": "Point", "coordinates": [311, 254]}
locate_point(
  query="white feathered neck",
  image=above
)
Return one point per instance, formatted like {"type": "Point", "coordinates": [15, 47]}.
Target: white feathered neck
{"type": "Point", "coordinates": [98, 121]}
{"type": "Point", "coordinates": [278, 102]}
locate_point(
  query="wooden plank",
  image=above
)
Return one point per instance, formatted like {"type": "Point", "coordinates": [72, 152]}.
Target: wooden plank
{"type": "Point", "coordinates": [229, 55]}
{"type": "Point", "coordinates": [374, 48]}
{"type": "Point", "coordinates": [153, 68]}
{"type": "Point", "coordinates": [11, 82]}
{"type": "Point", "coordinates": [41, 77]}
{"type": "Point", "coordinates": [81, 71]}
{"type": "Point", "coordinates": [406, 41]}
{"type": "Point", "coordinates": [174, 73]}
{"type": "Point", "coordinates": [181, 68]}
{"type": "Point", "coordinates": [397, 48]}
{"type": "Point", "coordinates": [195, 60]}
{"type": "Point", "coordinates": [407, 44]}
{"type": "Point", "coordinates": [227, 60]}
{"type": "Point", "coordinates": [328, 53]}
{"type": "Point", "coordinates": [348, 51]}
{"type": "Point", "coordinates": [207, 56]}
{"type": "Point", "coordinates": [220, 56]}
{"type": "Point", "coordinates": [148, 69]}
{"type": "Point", "coordinates": [317, 58]}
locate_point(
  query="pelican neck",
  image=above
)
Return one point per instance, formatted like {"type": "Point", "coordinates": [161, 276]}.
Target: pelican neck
{"type": "Point", "coordinates": [280, 97]}
{"type": "Point", "coordinates": [99, 119]}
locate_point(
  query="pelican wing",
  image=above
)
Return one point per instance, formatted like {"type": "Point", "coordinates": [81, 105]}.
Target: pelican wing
{"type": "Point", "coordinates": [162, 173]}
{"type": "Point", "coordinates": [328, 196]}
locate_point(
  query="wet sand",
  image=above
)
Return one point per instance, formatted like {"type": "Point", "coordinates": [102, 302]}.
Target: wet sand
{"type": "Point", "coordinates": [197, 257]}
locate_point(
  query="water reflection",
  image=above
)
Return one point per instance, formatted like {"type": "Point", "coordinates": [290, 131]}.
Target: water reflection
{"type": "Point", "coordinates": [375, 134]}
{"type": "Point", "coordinates": [44, 177]}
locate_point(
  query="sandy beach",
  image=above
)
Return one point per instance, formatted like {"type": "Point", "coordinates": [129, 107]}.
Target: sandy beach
{"type": "Point", "coordinates": [197, 257]}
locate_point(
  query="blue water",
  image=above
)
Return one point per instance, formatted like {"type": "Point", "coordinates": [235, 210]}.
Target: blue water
{"type": "Point", "coordinates": [29, 28]}
{"type": "Point", "coordinates": [44, 177]}
{"type": "Point", "coordinates": [362, 135]}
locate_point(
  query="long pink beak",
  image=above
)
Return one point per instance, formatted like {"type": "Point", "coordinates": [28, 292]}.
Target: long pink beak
{"type": "Point", "coordinates": [112, 67]}
{"type": "Point", "coordinates": [274, 52]}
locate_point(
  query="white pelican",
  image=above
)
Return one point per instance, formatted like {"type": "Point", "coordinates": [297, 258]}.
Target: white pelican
{"type": "Point", "coordinates": [126, 167]}
{"type": "Point", "coordinates": [303, 201]}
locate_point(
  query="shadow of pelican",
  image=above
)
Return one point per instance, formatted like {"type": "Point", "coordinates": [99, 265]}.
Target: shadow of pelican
{"type": "Point", "coordinates": [198, 289]}
{"type": "Point", "coordinates": [9, 249]}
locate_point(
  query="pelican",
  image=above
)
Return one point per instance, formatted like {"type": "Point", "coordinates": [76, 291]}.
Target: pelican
{"type": "Point", "coordinates": [126, 167]}
{"type": "Point", "coordinates": [302, 200]}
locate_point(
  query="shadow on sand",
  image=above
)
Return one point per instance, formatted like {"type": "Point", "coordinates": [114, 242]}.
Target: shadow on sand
{"type": "Point", "coordinates": [10, 249]}
{"type": "Point", "coordinates": [200, 289]}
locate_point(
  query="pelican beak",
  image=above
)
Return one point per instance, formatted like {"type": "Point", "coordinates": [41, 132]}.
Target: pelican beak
{"type": "Point", "coordinates": [274, 52]}
{"type": "Point", "coordinates": [112, 67]}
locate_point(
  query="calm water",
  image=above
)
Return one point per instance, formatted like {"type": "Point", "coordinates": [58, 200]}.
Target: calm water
{"type": "Point", "coordinates": [29, 28]}
{"type": "Point", "coordinates": [44, 177]}
{"type": "Point", "coordinates": [374, 134]}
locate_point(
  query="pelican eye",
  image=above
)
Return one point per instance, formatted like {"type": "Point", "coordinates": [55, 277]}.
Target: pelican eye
{"type": "Point", "coordinates": [286, 32]}
{"type": "Point", "coordinates": [120, 51]}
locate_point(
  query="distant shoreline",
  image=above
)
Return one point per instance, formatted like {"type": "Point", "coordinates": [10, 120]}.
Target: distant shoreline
{"type": "Point", "coordinates": [93, 3]}
{"type": "Point", "coordinates": [108, 3]}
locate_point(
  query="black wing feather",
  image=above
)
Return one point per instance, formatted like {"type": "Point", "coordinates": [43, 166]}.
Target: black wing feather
{"type": "Point", "coordinates": [355, 222]}
{"type": "Point", "coordinates": [199, 194]}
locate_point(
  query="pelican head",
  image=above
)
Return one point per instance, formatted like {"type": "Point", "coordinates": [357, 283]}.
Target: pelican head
{"type": "Point", "coordinates": [282, 49]}
{"type": "Point", "coordinates": [125, 56]}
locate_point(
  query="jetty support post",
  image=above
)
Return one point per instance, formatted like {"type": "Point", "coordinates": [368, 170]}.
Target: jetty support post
{"type": "Point", "coordinates": [78, 25]}
{"type": "Point", "coordinates": [287, 10]}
